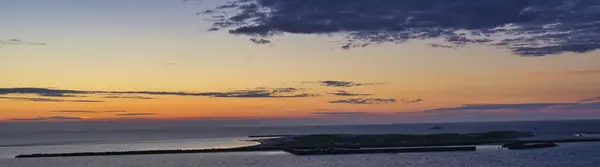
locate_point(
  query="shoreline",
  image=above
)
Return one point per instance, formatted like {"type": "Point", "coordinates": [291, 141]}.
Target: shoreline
{"type": "Point", "coordinates": [350, 144]}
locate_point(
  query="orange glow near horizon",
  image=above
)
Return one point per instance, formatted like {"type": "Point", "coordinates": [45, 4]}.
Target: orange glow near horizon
{"type": "Point", "coordinates": [157, 47]}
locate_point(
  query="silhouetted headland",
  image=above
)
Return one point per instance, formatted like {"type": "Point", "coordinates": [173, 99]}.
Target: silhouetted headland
{"type": "Point", "coordinates": [318, 144]}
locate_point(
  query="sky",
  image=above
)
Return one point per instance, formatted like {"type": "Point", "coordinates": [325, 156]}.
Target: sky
{"type": "Point", "coordinates": [354, 61]}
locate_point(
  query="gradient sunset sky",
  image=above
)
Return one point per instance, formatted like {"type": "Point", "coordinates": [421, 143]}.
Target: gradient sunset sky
{"type": "Point", "coordinates": [78, 60]}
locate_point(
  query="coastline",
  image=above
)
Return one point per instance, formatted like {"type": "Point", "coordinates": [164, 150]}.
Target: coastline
{"type": "Point", "coordinates": [351, 143]}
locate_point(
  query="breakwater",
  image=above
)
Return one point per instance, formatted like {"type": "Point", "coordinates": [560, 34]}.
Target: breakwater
{"type": "Point", "coordinates": [147, 152]}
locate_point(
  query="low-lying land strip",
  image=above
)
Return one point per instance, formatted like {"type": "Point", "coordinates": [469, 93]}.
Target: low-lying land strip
{"type": "Point", "coordinates": [355, 143]}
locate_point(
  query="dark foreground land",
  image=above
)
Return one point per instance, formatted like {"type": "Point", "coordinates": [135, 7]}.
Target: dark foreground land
{"type": "Point", "coordinates": [395, 140]}
{"type": "Point", "coordinates": [356, 143]}
{"type": "Point", "coordinates": [329, 151]}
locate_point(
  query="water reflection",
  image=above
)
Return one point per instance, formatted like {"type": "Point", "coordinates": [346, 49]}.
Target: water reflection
{"type": "Point", "coordinates": [9, 152]}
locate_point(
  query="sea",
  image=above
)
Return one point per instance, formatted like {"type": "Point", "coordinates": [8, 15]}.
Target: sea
{"type": "Point", "coordinates": [15, 140]}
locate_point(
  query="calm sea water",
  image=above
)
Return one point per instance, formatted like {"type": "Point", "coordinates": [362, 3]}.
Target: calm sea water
{"type": "Point", "coordinates": [16, 142]}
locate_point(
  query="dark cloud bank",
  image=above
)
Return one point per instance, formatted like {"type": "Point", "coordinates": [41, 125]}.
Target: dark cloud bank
{"type": "Point", "coordinates": [524, 27]}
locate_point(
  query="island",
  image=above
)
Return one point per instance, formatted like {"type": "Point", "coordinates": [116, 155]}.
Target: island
{"type": "Point", "coordinates": [319, 144]}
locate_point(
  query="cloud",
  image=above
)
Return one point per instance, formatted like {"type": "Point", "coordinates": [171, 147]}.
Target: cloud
{"type": "Point", "coordinates": [524, 27]}
{"type": "Point", "coordinates": [49, 100]}
{"type": "Point", "coordinates": [339, 113]}
{"type": "Point", "coordinates": [523, 111]}
{"type": "Point", "coordinates": [42, 92]}
{"type": "Point", "coordinates": [282, 90]}
{"type": "Point", "coordinates": [88, 111]}
{"type": "Point", "coordinates": [260, 41]}
{"type": "Point", "coordinates": [137, 114]}
{"type": "Point", "coordinates": [565, 73]}
{"type": "Point", "coordinates": [129, 97]}
{"type": "Point", "coordinates": [50, 118]}
{"type": "Point", "coordinates": [582, 106]}
{"type": "Point", "coordinates": [345, 93]}
{"type": "Point", "coordinates": [376, 101]}
{"type": "Point", "coordinates": [248, 93]}
{"type": "Point", "coordinates": [523, 106]}
{"type": "Point", "coordinates": [58, 95]}
{"type": "Point", "coordinates": [343, 83]}
{"type": "Point", "coordinates": [18, 42]}
{"type": "Point", "coordinates": [261, 93]}
{"type": "Point", "coordinates": [594, 99]}
{"type": "Point", "coordinates": [406, 101]}
{"type": "Point", "coordinates": [365, 101]}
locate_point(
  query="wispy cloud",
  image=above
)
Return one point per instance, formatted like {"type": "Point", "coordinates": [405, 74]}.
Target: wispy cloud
{"type": "Point", "coordinates": [42, 92]}
{"type": "Point", "coordinates": [49, 100]}
{"type": "Point", "coordinates": [594, 99]}
{"type": "Point", "coordinates": [260, 41]}
{"type": "Point", "coordinates": [406, 101]}
{"type": "Point", "coordinates": [248, 93]}
{"type": "Point", "coordinates": [346, 93]}
{"type": "Point", "coordinates": [582, 106]}
{"type": "Point", "coordinates": [565, 73]}
{"type": "Point", "coordinates": [50, 118]}
{"type": "Point", "coordinates": [526, 27]}
{"type": "Point", "coordinates": [330, 83]}
{"type": "Point", "coordinates": [261, 93]}
{"type": "Point", "coordinates": [137, 114]}
{"type": "Point", "coordinates": [365, 101]}
{"type": "Point", "coordinates": [129, 97]}
{"type": "Point", "coordinates": [339, 113]}
{"type": "Point", "coordinates": [59, 95]}
{"type": "Point", "coordinates": [88, 111]}
{"type": "Point", "coordinates": [525, 106]}
{"type": "Point", "coordinates": [19, 42]}
{"type": "Point", "coordinates": [517, 107]}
